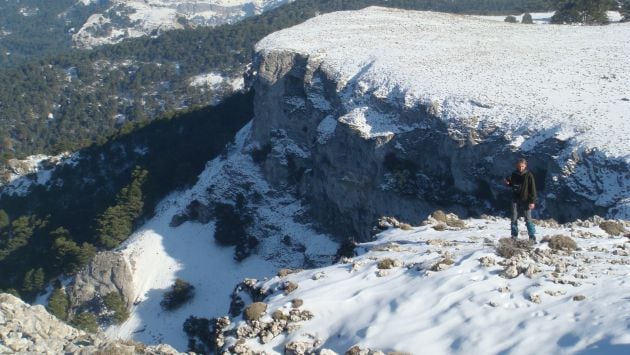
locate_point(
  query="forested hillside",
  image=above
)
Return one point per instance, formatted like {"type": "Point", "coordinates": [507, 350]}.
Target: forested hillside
{"type": "Point", "coordinates": [69, 101]}
{"type": "Point", "coordinates": [98, 200]}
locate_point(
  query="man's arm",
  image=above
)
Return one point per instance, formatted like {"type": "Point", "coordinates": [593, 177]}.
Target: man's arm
{"type": "Point", "coordinates": [532, 191]}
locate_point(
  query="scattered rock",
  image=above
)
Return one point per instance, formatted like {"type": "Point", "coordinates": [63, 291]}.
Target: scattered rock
{"type": "Point", "coordinates": [391, 222]}
{"type": "Point", "coordinates": [487, 261]}
{"type": "Point", "coordinates": [440, 227]}
{"type": "Point", "coordinates": [388, 264]}
{"type": "Point", "coordinates": [579, 298]}
{"type": "Point", "coordinates": [450, 219]}
{"type": "Point", "coordinates": [556, 293]}
{"type": "Point", "coordinates": [319, 275]}
{"type": "Point", "coordinates": [535, 298]}
{"type": "Point", "coordinates": [382, 272]}
{"type": "Point", "coordinates": [562, 242]}
{"type": "Point", "coordinates": [297, 303]}
{"type": "Point", "coordinates": [510, 272]}
{"type": "Point", "coordinates": [289, 287]}
{"type": "Point", "coordinates": [255, 311]}
{"type": "Point", "coordinates": [286, 272]}
{"type": "Point", "coordinates": [493, 304]}
{"type": "Point", "coordinates": [504, 289]}
{"type": "Point", "coordinates": [532, 270]}
{"type": "Point", "coordinates": [443, 264]}
{"type": "Point", "coordinates": [279, 315]}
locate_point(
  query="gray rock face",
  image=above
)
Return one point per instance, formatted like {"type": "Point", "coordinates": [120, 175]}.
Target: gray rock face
{"type": "Point", "coordinates": [351, 179]}
{"type": "Point", "coordinates": [30, 329]}
{"type": "Point", "coordinates": [107, 272]}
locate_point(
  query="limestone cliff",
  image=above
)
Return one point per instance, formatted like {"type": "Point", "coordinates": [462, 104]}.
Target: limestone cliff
{"type": "Point", "coordinates": [30, 329]}
{"type": "Point", "coordinates": [389, 112]}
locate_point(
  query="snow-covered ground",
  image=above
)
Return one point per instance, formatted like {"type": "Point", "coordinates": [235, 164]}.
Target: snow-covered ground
{"type": "Point", "coordinates": [160, 253]}
{"type": "Point", "coordinates": [146, 17]}
{"type": "Point", "coordinates": [560, 303]}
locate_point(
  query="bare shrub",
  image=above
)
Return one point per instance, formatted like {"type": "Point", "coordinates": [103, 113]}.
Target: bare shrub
{"type": "Point", "coordinates": [509, 247]}
{"type": "Point", "coordinates": [386, 264]}
{"type": "Point", "coordinates": [562, 242]}
{"type": "Point", "coordinates": [450, 219]}
{"type": "Point", "coordinates": [254, 311]}
{"type": "Point", "coordinates": [612, 227]}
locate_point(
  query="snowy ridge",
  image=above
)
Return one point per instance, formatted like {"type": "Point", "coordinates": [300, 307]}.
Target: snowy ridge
{"type": "Point", "coordinates": [160, 253]}
{"type": "Point", "coordinates": [566, 81]}
{"type": "Point", "coordinates": [135, 18]}
{"type": "Point", "coordinates": [560, 302]}
{"type": "Point", "coordinates": [486, 80]}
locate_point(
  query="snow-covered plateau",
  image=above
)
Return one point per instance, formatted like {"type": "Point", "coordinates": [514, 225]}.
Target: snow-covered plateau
{"type": "Point", "coordinates": [396, 108]}
{"type": "Point", "coordinates": [135, 18]}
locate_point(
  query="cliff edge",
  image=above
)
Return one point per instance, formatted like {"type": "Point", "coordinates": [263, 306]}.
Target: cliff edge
{"type": "Point", "coordinates": [391, 112]}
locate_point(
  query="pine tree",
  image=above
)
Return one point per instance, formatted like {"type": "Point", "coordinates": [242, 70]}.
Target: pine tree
{"type": "Point", "coordinates": [582, 11]}
{"type": "Point", "coordinates": [117, 221]}
{"type": "Point", "coordinates": [4, 220]}
{"type": "Point", "coordinates": [58, 304]}
{"type": "Point", "coordinates": [69, 257]}
{"type": "Point", "coordinates": [86, 321]}
{"type": "Point", "coordinates": [624, 10]}
{"type": "Point", "coordinates": [115, 303]}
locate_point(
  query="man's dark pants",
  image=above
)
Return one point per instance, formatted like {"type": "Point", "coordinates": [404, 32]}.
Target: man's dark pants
{"type": "Point", "coordinates": [522, 208]}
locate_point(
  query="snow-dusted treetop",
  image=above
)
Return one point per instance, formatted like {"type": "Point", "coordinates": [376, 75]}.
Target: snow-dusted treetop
{"type": "Point", "coordinates": [532, 82]}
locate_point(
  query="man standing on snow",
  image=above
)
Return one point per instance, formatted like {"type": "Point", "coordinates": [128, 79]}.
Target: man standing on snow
{"type": "Point", "coordinates": [523, 198]}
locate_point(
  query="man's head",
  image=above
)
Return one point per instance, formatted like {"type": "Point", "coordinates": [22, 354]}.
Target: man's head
{"type": "Point", "coordinates": [521, 165]}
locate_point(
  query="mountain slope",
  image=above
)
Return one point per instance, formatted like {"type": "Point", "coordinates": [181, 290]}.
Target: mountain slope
{"type": "Point", "coordinates": [163, 250]}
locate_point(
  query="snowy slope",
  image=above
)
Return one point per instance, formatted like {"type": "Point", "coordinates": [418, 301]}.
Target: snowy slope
{"type": "Point", "coordinates": [469, 306]}
{"type": "Point", "coordinates": [160, 253]}
{"type": "Point", "coordinates": [135, 18]}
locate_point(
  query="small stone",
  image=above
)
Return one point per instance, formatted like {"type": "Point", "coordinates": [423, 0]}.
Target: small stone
{"type": "Point", "coordinates": [493, 304]}
{"type": "Point", "coordinates": [286, 272]}
{"type": "Point", "coordinates": [532, 269]}
{"type": "Point", "coordinates": [579, 298]}
{"type": "Point", "coordinates": [289, 287]}
{"type": "Point", "coordinates": [504, 289]}
{"type": "Point", "coordinates": [319, 275]}
{"type": "Point", "coordinates": [510, 272]}
{"type": "Point", "coordinates": [534, 297]}
{"type": "Point", "coordinates": [487, 261]}
{"type": "Point", "coordinates": [297, 303]}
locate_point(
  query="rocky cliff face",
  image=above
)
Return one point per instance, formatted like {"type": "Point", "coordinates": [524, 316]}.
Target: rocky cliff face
{"type": "Point", "coordinates": [30, 329]}
{"type": "Point", "coordinates": [107, 272]}
{"type": "Point", "coordinates": [385, 112]}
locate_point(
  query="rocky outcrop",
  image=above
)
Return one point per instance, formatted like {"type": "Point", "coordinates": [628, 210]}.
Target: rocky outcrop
{"type": "Point", "coordinates": [347, 128]}
{"type": "Point", "coordinates": [107, 272]}
{"type": "Point", "coordinates": [30, 329]}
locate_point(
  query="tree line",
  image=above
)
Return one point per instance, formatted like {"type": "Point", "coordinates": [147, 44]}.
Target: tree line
{"type": "Point", "coordinates": [69, 101]}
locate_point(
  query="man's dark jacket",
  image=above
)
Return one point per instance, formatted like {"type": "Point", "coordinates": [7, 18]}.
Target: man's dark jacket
{"type": "Point", "coordinates": [523, 187]}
